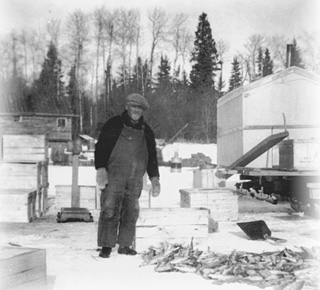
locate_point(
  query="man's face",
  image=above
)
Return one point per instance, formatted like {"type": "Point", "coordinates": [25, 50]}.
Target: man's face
{"type": "Point", "coordinates": [135, 112]}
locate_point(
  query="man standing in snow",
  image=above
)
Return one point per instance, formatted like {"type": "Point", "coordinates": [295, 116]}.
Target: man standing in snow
{"type": "Point", "coordinates": [125, 150]}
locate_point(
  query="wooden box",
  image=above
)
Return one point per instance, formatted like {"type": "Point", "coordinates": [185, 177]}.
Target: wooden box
{"type": "Point", "coordinates": [19, 175]}
{"type": "Point", "coordinates": [25, 148]}
{"type": "Point", "coordinates": [17, 205]}
{"type": "Point", "coordinates": [203, 178]}
{"type": "Point", "coordinates": [175, 225]}
{"type": "Point", "coordinates": [28, 175]}
{"type": "Point", "coordinates": [23, 268]}
{"type": "Point", "coordinates": [222, 202]}
{"type": "Point", "coordinates": [88, 196]}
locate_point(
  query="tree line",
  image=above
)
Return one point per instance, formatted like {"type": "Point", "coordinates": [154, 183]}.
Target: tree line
{"type": "Point", "coordinates": [99, 59]}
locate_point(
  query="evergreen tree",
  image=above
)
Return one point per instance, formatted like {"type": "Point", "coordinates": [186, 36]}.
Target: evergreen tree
{"type": "Point", "coordinates": [267, 64]}
{"type": "Point", "coordinates": [204, 56]}
{"type": "Point", "coordinates": [49, 88]}
{"type": "Point", "coordinates": [260, 63]}
{"type": "Point", "coordinates": [296, 59]}
{"type": "Point", "coordinates": [235, 79]}
{"type": "Point", "coordinates": [72, 92]}
{"type": "Point", "coordinates": [220, 86]}
{"type": "Point", "coordinates": [164, 78]}
{"type": "Point", "coordinates": [139, 82]}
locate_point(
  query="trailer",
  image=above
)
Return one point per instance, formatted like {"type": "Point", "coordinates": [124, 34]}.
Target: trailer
{"type": "Point", "coordinates": [268, 132]}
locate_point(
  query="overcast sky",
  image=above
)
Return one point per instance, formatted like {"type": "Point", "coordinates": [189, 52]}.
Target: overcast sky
{"type": "Point", "coordinates": [231, 20]}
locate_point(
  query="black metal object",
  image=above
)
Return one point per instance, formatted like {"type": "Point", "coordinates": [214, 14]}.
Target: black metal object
{"type": "Point", "coordinates": [74, 214]}
{"type": "Point", "coordinates": [258, 230]}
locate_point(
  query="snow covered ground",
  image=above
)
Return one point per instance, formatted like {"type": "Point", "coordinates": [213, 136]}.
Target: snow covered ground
{"type": "Point", "coordinates": [73, 262]}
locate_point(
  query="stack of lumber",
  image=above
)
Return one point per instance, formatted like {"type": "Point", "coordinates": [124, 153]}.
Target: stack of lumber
{"type": "Point", "coordinates": [222, 202]}
{"type": "Point", "coordinates": [156, 225]}
{"type": "Point", "coordinates": [24, 170]}
{"type": "Point", "coordinates": [23, 268]}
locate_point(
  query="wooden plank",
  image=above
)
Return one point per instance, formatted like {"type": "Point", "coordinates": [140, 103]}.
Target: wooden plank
{"type": "Point", "coordinates": [18, 169]}
{"type": "Point", "coordinates": [172, 216]}
{"type": "Point", "coordinates": [24, 141]}
{"type": "Point", "coordinates": [14, 260]}
{"type": "Point", "coordinates": [19, 182]}
{"type": "Point", "coordinates": [172, 231]}
{"type": "Point", "coordinates": [38, 284]}
{"type": "Point", "coordinates": [21, 278]}
{"type": "Point", "coordinates": [22, 157]}
{"type": "Point", "coordinates": [22, 268]}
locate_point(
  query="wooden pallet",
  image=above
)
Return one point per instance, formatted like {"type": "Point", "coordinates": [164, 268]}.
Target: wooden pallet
{"type": "Point", "coordinates": [176, 225]}
{"type": "Point", "coordinates": [23, 268]}
{"type": "Point", "coordinates": [222, 202]}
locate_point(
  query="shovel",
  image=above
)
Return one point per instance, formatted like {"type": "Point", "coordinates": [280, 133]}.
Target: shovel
{"type": "Point", "coordinates": [258, 230]}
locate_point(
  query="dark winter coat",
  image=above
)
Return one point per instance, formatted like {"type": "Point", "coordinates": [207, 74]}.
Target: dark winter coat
{"type": "Point", "coordinates": [109, 135]}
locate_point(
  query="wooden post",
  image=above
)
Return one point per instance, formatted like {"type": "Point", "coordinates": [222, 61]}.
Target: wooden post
{"type": "Point", "coordinates": [75, 196]}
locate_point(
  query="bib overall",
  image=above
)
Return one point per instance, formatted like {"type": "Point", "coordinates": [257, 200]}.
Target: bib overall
{"type": "Point", "coordinates": [120, 199]}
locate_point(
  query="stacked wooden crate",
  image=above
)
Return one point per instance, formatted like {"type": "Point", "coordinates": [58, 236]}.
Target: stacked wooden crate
{"type": "Point", "coordinates": [24, 174]}
{"type": "Point", "coordinates": [173, 225]}
{"type": "Point", "coordinates": [222, 202]}
{"type": "Point", "coordinates": [23, 268]}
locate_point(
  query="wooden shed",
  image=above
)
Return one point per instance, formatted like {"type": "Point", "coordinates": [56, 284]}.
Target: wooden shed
{"type": "Point", "coordinates": [289, 99]}
{"type": "Point", "coordinates": [56, 127]}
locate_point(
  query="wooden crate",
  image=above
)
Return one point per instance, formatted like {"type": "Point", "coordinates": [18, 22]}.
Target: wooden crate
{"type": "Point", "coordinates": [88, 196]}
{"type": "Point", "coordinates": [25, 148]}
{"type": "Point", "coordinates": [17, 205]}
{"type": "Point", "coordinates": [203, 178]}
{"type": "Point", "coordinates": [175, 225]}
{"type": "Point", "coordinates": [23, 268]}
{"type": "Point", "coordinates": [19, 175]}
{"type": "Point", "coordinates": [30, 175]}
{"type": "Point", "coordinates": [222, 202]}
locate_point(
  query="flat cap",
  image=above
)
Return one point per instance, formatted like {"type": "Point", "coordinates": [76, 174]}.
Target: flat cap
{"type": "Point", "coordinates": [138, 100]}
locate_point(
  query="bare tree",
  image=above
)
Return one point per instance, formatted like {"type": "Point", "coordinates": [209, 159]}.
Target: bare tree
{"type": "Point", "coordinates": [126, 31]}
{"type": "Point", "coordinates": [277, 45]}
{"type": "Point", "coordinates": [255, 41]}
{"type": "Point", "coordinates": [38, 48]}
{"type": "Point", "coordinates": [310, 50]}
{"type": "Point", "coordinates": [78, 32]}
{"type": "Point", "coordinates": [54, 31]}
{"type": "Point", "coordinates": [23, 39]}
{"type": "Point", "coordinates": [158, 22]}
{"type": "Point", "coordinates": [222, 48]}
{"type": "Point", "coordinates": [177, 27]}
{"type": "Point", "coordinates": [107, 45]}
{"type": "Point", "coordinates": [98, 20]}
{"type": "Point", "coordinates": [185, 46]}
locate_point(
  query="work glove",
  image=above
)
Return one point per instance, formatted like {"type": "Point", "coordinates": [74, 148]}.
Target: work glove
{"type": "Point", "coordinates": [101, 178]}
{"type": "Point", "coordinates": [155, 190]}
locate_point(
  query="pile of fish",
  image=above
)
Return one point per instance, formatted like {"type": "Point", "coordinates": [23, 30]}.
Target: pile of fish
{"type": "Point", "coordinates": [269, 269]}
